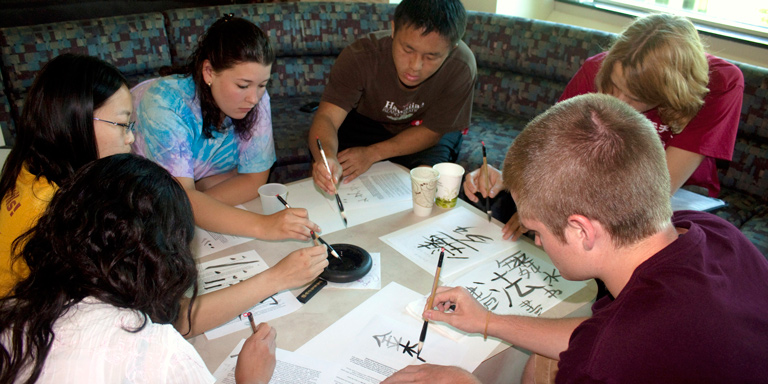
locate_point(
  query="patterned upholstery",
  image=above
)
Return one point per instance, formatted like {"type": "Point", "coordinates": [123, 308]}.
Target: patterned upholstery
{"type": "Point", "coordinates": [533, 47]}
{"type": "Point", "coordinates": [7, 128]}
{"type": "Point", "coordinates": [756, 229]}
{"type": "Point", "coordinates": [290, 129]}
{"type": "Point", "coordinates": [748, 170]}
{"type": "Point", "coordinates": [187, 25]}
{"type": "Point", "coordinates": [296, 29]}
{"type": "Point", "coordinates": [135, 44]}
{"type": "Point", "coordinates": [522, 95]}
{"type": "Point", "coordinates": [326, 28]}
{"type": "Point", "coordinates": [497, 130]}
{"type": "Point", "coordinates": [300, 76]}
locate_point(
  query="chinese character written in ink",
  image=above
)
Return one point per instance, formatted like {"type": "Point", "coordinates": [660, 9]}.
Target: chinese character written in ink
{"type": "Point", "coordinates": [454, 245]}
{"type": "Point", "coordinates": [516, 284]}
{"type": "Point", "coordinates": [530, 308]}
{"type": "Point", "coordinates": [551, 278]}
{"type": "Point", "coordinates": [411, 350]}
{"type": "Point", "coordinates": [489, 301]}
{"type": "Point", "coordinates": [269, 301]}
{"type": "Point", "coordinates": [388, 340]}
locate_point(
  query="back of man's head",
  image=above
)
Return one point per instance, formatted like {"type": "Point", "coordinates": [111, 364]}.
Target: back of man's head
{"type": "Point", "coordinates": [592, 155]}
{"type": "Point", "coordinates": [446, 17]}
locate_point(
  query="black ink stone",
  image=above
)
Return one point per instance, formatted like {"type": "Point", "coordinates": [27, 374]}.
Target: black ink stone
{"type": "Point", "coordinates": [355, 263]}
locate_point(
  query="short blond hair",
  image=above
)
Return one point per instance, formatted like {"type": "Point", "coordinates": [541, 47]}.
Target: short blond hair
{"type": "Point", "coordinates": [595, 156]}
{"type": "Point", "coordinates": [664, 64]}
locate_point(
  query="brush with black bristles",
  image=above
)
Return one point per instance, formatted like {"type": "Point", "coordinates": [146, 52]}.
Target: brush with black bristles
{"type": "Point", "coordinates": [315, 237]}
{"type": "Point", "coordinates": [335, 191]}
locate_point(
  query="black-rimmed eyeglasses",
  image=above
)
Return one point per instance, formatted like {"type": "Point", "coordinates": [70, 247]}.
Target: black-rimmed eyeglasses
{"type": "Point", "coordinates": [128, 127]}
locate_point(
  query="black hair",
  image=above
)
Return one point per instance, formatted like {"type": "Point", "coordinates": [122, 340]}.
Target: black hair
{"type": "Point", "coordinates": [56, 136]}
{"type": "Point", "coordinates": [226, 43]}
{"type": "Point", "coordinates": [120, 232]}
{"type": "Point", "coordinates": [447, 17]}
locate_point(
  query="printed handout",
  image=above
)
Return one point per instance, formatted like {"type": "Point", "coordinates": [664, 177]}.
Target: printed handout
{"type": "Point", "coordinates": [337, 343]}
{"type": "Point", "coordinates": [386, 346]}
{"type": "Point", "coordinates": [230, 270]}
{"type": "Point", "coordinates": [379, 192]}
{"type": "Point", "coordinates": [291, 368]}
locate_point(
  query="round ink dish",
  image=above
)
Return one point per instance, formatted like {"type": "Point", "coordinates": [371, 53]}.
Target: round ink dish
{"type": "Point", "coordinates": [355, 262]}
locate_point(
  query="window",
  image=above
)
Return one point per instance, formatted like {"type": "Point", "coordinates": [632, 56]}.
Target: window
{"type": "Point", "coordinates": [745, 20]}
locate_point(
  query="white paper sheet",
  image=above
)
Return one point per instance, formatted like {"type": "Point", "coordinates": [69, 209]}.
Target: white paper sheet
{"type": "Point", "coordinates": [334, 342]}
{"type": "Point", "coordinates": [290, 368]}
{"type": "Point", "coordinates": [382, 184]}
{"type": "Point", "coordinates": [687, 200]}
{"type": "Point", "coordinates": [226, 271]}
{"type": "Point", "coordinates": [377, 193]}
{"type": "Point", "coordinates": [371, 280]}
{"type": "Point", "coordinates": [468, 239]}
{"type": "Point", "coordinates": [386, 346]}
{"type": "Point", "coordinates": [207, 242]}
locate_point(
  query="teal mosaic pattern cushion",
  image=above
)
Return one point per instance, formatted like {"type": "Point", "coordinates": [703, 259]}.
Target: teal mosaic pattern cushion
{"type": "Point", "coordinates": [756, 229]}
{"type": "Point", "coordinates": [187, 25]}
{"type": "Point", "coordinates": [300, 76]}
{"type": "Point", "coordinates": [522, 95]}
{"type": "Point", "coordinates": [538, 48]}
{"type": "Point", "coordinates": [296, 29]}
{"type": "Point", "coordinates": [327, 27]}
{"type": "Point", "coordinates": [741, 207]}
{"type": "Point", "coordinates": [7, 128]}
{"type": "Point", "coordinates": [291, 128]}
{"type": "Point", "coordinates": [748, 170]}
{"type": "Point", "coordinates": [754, 108]}
{"type": "Point", "coordinates": [136, 44]}
{"type": "Point", "coordinates": [497, 129]}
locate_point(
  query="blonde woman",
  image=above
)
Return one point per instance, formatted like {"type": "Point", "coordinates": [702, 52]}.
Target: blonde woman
{"type": "Point", "coordinates": [659, 67]}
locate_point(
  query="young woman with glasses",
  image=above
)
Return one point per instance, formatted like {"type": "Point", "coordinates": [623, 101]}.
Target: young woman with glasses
{"type": "Point", "coordinates": [77, 110]}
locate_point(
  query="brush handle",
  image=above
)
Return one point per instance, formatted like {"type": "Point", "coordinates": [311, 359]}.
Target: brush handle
{"type": "Point", "coordinates": [338, 201]}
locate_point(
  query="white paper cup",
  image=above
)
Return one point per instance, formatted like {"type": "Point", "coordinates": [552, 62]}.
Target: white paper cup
{"type": "Point", "coordinates": [449, 184]}
{"type": "Point", "coordinates": [269, 202]}
{"type": "Point", "coordinates": [423, 186]}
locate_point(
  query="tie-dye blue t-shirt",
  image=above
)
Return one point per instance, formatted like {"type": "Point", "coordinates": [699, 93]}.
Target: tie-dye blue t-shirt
{"type": "Point", "coordinates": [169, 132]}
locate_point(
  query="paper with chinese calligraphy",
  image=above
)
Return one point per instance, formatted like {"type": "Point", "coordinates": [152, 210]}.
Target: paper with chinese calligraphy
{"type": "Point", "coordinates": [230, 270]}
{"type": "Point", "coordinates": [468, 239]}
{"type": "Point", "coordinates": [522, 282]}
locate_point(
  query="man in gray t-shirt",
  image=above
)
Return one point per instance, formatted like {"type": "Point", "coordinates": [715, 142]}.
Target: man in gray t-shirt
{"type": "Point", "coordinates": [403, 95]}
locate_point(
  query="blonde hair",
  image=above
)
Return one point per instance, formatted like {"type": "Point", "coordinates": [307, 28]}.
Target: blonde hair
{"type": "Point", "coordinates": [595, 156]}
{"type": "Point", "coordinates": [664, 64]}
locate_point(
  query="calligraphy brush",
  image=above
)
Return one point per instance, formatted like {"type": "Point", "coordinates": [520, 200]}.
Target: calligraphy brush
{"type": "Point", "coordinates": [487, 184]}
{"type": "Point", "coordinates": [315, 237]}
{"type": "Point", "coordinates": [336, 192]}
{"type": "Point", "coordinates": [430, 301]}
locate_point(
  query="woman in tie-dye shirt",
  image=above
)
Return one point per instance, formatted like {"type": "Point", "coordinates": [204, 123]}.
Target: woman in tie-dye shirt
{"type": "Point", "coordinates": [211, 128]}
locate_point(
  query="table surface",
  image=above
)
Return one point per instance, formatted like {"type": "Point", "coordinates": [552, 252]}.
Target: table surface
{"type": "Point", "coordinates": [329, 305]}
